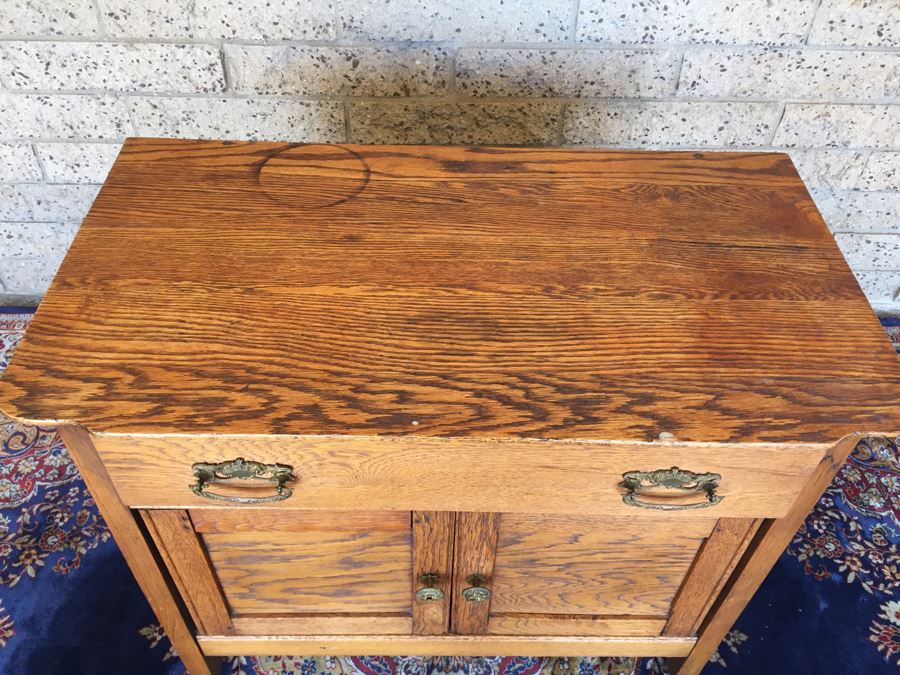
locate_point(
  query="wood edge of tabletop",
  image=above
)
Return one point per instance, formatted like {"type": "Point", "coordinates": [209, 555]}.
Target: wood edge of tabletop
{"type": "Point", "coordinates": [131, 141]}
{"type": "Point", "coordinates": [450, 441]}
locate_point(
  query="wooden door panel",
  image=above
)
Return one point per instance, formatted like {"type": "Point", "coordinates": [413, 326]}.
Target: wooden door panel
{"type": "Point", "coordinates": [553, 564]}
{"type": "Point", "coordinates": [474, 551]}
{"type": "Point", "coordinates": [318, 572]}
{"type": "Point", "coordinates": [433, 534]}
{"type": "Point", "coordinates": [246, 571]}
{"type": "Point", "coordinates": [591, 576]}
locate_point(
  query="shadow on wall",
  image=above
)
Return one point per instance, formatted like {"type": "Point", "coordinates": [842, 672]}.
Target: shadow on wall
{"type": "Point", "coordinates": [492, 96]}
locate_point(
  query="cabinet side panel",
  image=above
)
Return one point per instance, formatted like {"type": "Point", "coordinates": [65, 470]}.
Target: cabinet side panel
{"type": "Point", "coordinates": [765, 549]}
{"type": "Point", "coordinates": [715, 562]}
{"type": "Point", "coordinates": [137, 552]}
{"type": "Point", "coordinates": [183, 554]}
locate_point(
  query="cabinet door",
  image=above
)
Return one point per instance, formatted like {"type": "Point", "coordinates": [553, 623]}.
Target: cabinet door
{"type": "Point", "coordinates": [269, 572]}
{"type": "Point", "coordinates": [590, 575]}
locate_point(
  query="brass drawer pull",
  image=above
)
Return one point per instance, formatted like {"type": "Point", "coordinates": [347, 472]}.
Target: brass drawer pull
{"type": "Point", "coordinates": [429, 593]}
{"type": "Point", "coordinates": [673, 479]}
{"type": "Point", "coordinates": [476, 592]}
{"type": "Point", "coordinates": [241, 469]}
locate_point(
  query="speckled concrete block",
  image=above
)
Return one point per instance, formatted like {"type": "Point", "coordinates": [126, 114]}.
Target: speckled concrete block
{"type": "Point", "coordinates": [452, 20]}
{"type": "Point", "coordinates": [18, 163]}
{"type": "Point", "coordinates": [41, 17]}
{"type": "Point", "coordinates": [870, 251]}
{"type": "Point", "coordinates": [882, 172]}
{"type": "Point", "coordinates": [830, 168]}
{"type": "Point", "coordinates": [670, 124]}
{"type": "Point", "coordinates": [857, 22]}
{"type": "Point", "coordinates": [826, 125]}
{"type": "Point", "coordinates": [217, 19]}
{"type": "Point", "coordinates": [881, 287]}
{"type": "Point", "coordinates": [33, 240]}
{"type": "Point", "coordinates": [42, 202]}
{"type": "Point", "coordinates": [776, 22]}
{"type": "Point", "coordinates": [79, 66]}
{"type": "Point", "coordinates": [859, 211]}
{"type": "Point", "coordinates": [239, 119]}
{"type": "Point", "coordinates": [27, 277]}
{"type": "Point", "coordinates": [811, 74]}
{"type": "Point", "coordinates": [686, 74]}
{"type": "Point", "coordinates": [63, 116]}
{"type": "Point", "coordinates": [544, 73]}
{"type": "Point", "coordinates": [530, 123]}
{"type": "Point", "coordinates": [77, 162]}
{"type": "Point", "coordinates": [342, 71]}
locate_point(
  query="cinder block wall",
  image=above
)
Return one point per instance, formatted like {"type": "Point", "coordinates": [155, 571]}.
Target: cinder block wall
{"type": "Point", "coordinates": [819, 78]}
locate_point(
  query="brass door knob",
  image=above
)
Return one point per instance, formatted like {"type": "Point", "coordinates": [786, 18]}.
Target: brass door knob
{"type": "Point", "coordinates": [429, 593]}
{"type": "Point", "coordinates": [476, 592]}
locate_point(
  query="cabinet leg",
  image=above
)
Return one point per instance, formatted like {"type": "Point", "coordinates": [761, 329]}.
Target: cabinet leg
{"type": "Point", "coordinates": [768, 545]}
{"type": "Point", "coordinates": [140, 557]}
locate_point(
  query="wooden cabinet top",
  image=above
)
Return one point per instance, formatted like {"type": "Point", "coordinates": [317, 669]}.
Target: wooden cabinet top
{"type": "Point", "coordinates": [274, 288]}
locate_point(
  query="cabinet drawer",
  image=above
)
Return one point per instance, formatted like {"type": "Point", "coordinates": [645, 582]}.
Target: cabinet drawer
{"type": "Point", "coordinates": [407, 473]}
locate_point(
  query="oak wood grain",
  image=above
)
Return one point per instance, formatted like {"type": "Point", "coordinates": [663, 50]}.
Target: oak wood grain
{"type": "Point", "coordinates": [161, 593]}
{"type": "Point", "coordinates": [474, 550]}
{"type": "Point", "coordinates": [769, 542]}
{"type": "Point", "coordinates": [717, 558]}
{"type": "Point", "coordinates": [535, 624]}
{"type": "Point", "coordinates": [186, 562]}
{"type": "Point", "coordinates": [421, 331]}
{"type": "Point", "coordinates": [343, 624]}
{"type": "Point", "coordinates": [404, 473]}
{"type": "Point", "coordinates": [273, 571]}
{"type": "Point", "coordinates": [445, 645]}
{"type": "Point", "coordinates": [274, 288]}
{"type": "Point", "coordinates": [234, 520]}
{"type": "Point", "coordinates": [433, 535]}
{"type": "Point", "coordinates": [562, 564]}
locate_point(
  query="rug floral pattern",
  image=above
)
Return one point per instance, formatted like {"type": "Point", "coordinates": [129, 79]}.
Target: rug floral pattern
{"type": "Point", "coordinates": [852, 536]}
{"type": "Point", "coordinates": [69, 605]}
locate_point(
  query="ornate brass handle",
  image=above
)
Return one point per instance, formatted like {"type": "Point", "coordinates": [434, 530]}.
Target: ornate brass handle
{"type": "Point", "coordinates": [241, 469]}
{"type": "Point", "coordinates": [673, 479]}
{"type": "Point", "coordinates": [476, 592]}
{"type": "Point", "coordinates": [429, 593]}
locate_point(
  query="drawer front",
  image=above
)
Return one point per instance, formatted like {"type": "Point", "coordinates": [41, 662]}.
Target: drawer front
{"type": "Point", "coordinates": [408, 474]}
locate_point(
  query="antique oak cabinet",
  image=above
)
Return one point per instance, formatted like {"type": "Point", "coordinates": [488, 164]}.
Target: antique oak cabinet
{"type": "Point", "coordinates": [452, 401]}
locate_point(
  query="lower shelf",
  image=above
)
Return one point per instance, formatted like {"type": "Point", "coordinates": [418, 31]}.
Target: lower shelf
{"type": "Point", "coordinates": [442, 645]}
